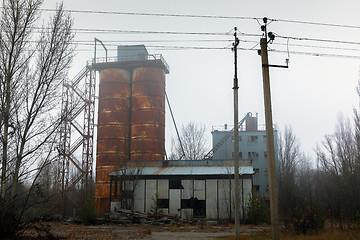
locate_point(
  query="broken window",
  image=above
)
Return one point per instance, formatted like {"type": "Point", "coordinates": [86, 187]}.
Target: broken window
{"type": "Point", "coordinates": [163, 203]}
{"type": "Point", "coordinates": [252, 138]}
{"type": "Point", "coordinates": [253, 155]}
{"type": "Point", "coordinates": [198, 206]}
{"type": "Point", "coordinates": [175, 184]}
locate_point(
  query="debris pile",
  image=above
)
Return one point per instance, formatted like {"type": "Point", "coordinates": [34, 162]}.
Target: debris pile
{"type": "Point", "coordinates": [124, 216]}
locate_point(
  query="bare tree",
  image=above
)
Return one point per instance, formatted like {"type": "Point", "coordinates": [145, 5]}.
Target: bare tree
{"type": "Point", "coordinates": [128, 177]}
{"type": "Point", "coordinates": [338, 173]}
{"type": "Point", "coordinates": [33, 63]}
{"type": "Point", "coordinates": [339, 161]}
{"type": "Point", "coordinates": [126, 181]}
{"type": "Point", "coordinates": [193, 145]}
{"type": "Point", "coordinates": [289, 155]}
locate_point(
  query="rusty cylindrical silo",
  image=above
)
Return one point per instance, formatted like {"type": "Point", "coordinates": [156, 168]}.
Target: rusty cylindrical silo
{"type": "Point", "coordinates": [113, 131]}
{"type": "Point", "coordinates": [148, 115]}
{"type": "Point", "coordinates": [131, 117]}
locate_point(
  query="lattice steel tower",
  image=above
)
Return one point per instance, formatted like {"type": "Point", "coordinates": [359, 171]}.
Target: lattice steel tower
{"type": "Point", "coordinates": [78, 104]}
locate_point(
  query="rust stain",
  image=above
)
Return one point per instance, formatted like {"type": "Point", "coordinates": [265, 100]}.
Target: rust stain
{"type": "Point", "coordinates": [118, 93]}
{"type": "Point", "coordinates": [159, 171]}
{"type": "Point", "coordinates": [148, 114]}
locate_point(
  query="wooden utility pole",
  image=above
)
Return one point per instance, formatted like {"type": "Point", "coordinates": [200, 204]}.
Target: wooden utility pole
{"type": "Point", "coordinates": [236, 142]}
{"type": "Point", "coordinates": [270, 140]}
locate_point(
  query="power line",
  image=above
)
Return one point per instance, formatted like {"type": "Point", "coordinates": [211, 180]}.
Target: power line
{"type": "Point", "coordinates": [316, 54]}
{"type": "Point", "coordinates": [318, 40]}
{"type": "Point", "coordinates": [304, 45]}
{"type": "Point", "coordinates": [87, 30]}
{"type": "Point", "coordinates": [117, 42]}
{"type": "Point", "coordinates": [164, 47]}
{"type": "Point", "coordinates": [202, 16]}
{"type": "Point", "coordinates": [163, 40]}
{"type": "Point", "coordinates": [122, 31]}
{"type": "Point", "coordinates": [154, 14]}
{"type": "Point", "coordinates": [315, 23]}
{"type": "Point", "coordinates": [114, 43]}
{"type": "Point", "coordinates": [190, 47]}
{"type": "Point", "coordinates": [249, 34]}
{"type": "Point", "coordinates": [106, 31]}
{"type": "Point", "coordinates": [178, 48]}
{"type": "Point", "coordinates": [206, 16]}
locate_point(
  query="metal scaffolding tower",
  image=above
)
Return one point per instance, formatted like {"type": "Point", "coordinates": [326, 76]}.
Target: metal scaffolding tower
{"type": "Point", "coordinates": [78, 104]}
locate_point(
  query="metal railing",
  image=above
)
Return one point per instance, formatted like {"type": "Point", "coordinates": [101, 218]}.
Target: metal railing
{"type": "Point", "coordinates": [222, 128]}
{"type": "Point", "coordinates": [148, 57]}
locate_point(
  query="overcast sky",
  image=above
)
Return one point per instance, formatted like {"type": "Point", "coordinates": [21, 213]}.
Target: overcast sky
{"type": "Point", "coordinates": [309, 96]}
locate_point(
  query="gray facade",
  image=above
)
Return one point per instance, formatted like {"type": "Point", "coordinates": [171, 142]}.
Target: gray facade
{"type": "Point", "coordinates": [252, 146]}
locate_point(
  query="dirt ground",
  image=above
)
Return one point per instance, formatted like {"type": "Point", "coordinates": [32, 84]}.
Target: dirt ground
{"type": "Point", "coordinates": [164, 232]}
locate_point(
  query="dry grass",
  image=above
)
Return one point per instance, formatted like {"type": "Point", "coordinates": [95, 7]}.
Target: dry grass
{"type": "Point", "coordinates": [335, 235]}
{"type": "Point", "coordinates": [103, 232]}
{"type": "Point", "coordinates": [178, 228]}
{"type": "Point", "coordinates": [125, 232]}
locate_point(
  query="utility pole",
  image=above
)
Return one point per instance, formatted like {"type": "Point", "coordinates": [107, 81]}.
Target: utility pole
{"type": "Point", "coordinates": [274, 209]}
{"type": "Point", "coordinates": [236, 141]}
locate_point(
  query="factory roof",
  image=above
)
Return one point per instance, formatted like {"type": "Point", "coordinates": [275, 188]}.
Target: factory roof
{"type": "Point", "coordinates": [186, 170]}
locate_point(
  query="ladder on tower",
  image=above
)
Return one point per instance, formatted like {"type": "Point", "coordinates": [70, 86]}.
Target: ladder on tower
{"type": "Point", "coordinates": [78, 103]}
{"type": "Point", "coordinates": [210, 154]}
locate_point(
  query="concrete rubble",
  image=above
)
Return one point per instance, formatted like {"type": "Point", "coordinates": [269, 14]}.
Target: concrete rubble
{"type": "Point", "coordinates": [124, 216]}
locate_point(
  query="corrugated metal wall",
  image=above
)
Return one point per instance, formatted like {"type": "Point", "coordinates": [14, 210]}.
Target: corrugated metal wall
{"type": "Point", "coordinates": [218, 195]}
{"type": "Point", "coordinates": [211, 199]}
{"type": "Point", "coordinates": [139, 196]}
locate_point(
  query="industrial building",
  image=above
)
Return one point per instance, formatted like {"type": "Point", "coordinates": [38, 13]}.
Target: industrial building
{"type": "Point", "coordinates": [131, 164]}
{"type": "Point", "coordinates": [188, 189]}
{"type": "Point", "coordinates": [131, 167]}
{"type": "Point", "coordinates": [252, 147]}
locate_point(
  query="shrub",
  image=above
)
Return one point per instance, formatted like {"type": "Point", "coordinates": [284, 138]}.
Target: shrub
{"type": "Point", "coordinates": [11, 225]}
{"type": "Point", "coordinates": [307, 217]}
{"type": "Point", "coordinates": [87, 212]}
{"type": "Point", "coordinates": [257, 212]}
{"type": "Point", "coordinates": [44, 230]}
{"type": "Point", "coordinates": [156, 206]}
